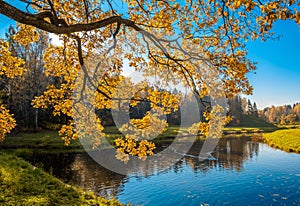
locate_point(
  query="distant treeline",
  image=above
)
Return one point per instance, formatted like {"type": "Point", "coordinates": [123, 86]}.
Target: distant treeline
{"type": "Point", "coordinates": [286, 114]}
{"type": "Point", "coordinates": [240, 108]}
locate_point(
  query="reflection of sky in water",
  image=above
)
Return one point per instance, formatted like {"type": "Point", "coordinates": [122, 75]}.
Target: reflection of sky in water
{"type": "Point", "coordinates": [272, 177]}
{"type": "Point", "coordinates": [244, 173]}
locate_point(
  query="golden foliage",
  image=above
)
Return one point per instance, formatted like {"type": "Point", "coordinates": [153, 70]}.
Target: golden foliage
{"type": "Point", "coordinates": [7, 122]}
{"type": "Point", "coordinates": [10, 65]}
{"type": "Point", "coordinates": [200, 44]}
{"type": "Point", "coordinates": [26, 34]}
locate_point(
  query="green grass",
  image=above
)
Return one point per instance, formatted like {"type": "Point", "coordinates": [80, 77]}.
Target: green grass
{"type": "Point", "coordinates": [252, 121]}
{"type": "Point", "coordinates": [250, 124]}
{"type": "Point", "coordinates": [23, 184]}
{"type": "Point", "coordinates": [50, 141]}
{"type": "Point", "coordinates": [240, 129]}
{"type": "Point", "coordinates": [289, 126]}
{"type": "Point", "coordinates": [285, 139]}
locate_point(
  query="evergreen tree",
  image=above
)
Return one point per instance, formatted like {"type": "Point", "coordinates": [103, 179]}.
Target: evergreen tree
{"type": "Point", "coordinates": [249, 108]}
{"type": "Point", "coordinates": [255, 110]}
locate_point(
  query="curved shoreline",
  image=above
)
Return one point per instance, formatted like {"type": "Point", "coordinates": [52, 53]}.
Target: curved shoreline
{"type": "Point", "coordinates": [286, 139]}
{"type": "Point", "coordinates": [23, 184]}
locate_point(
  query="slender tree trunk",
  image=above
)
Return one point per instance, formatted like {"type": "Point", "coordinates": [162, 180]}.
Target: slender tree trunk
{"type": "Point", "coordinates": [36, 119]}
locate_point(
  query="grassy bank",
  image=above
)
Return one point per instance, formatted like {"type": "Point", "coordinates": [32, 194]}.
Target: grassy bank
{"type": "Point", "coordinates": [49, 141]}
{"type": "Point", "coordinates": [241, 130]}
{"type": "Point", "coordinates": [285, 139]}
{"type": "Point", "coordinates": [250, 124]}
{"type": "Point", "coordinates": [23, 184]}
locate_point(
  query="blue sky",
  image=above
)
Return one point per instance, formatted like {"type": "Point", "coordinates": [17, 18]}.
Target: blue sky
{"type": "Point", "coordinates": [277, 78]}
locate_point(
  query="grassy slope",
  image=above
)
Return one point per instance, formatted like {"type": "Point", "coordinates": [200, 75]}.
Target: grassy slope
{"type": "Point", "coordinates": [23, 184]}
{"type": "Point", "coordinates": [286, 139]}
{"type": "Point", "coordinates": [251, 124]}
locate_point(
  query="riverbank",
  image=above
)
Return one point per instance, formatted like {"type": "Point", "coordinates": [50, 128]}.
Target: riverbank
{"type": "Point", "coordinates": [48, 141]}
{"type": "Point", "coordinates": [248, 130]}
{"type": "Point", "coordinates": [23, 184]}
{"type": "Point", "coordinates": [285, 139]}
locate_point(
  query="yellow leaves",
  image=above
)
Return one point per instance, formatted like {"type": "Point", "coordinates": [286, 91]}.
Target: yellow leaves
{"type": "Point", "coordinates": [61, 62]}
{"type": "Point", "coordinates": [163, 99]}
{"type": "Point", "coordinates": [250, 5]}
{"type": "Point", "coordinates": [150, 126]}
{"type": "Point", "coordinates": [273, 5]}
{"type": "Point", "coordinates": [67, 133]}
{"type": "Point", "coordinates": [52, 96]}
{"type": "Point", "coordinates": [129, 146]}
{"type": "Point", "coordinates": [181, 31]}
{"type": "Point", "coordinates": [189, 36]}
{"type": "Point", "coordinates": [228, 119]}
{"type": "Point", "coordinates": [85, 128]}
{"type": "Point", "coordinates": [212, 127]}
{"type": "Point", "coordinates": [204, 91]}
{"type": "Point", "coordinates": [10, 66]}
{"type": "Point", "coordinates": [199, 128]}
{"type": "Point", "coordinates": [237, 4]}
{"type": "Point", "coordinates": [137, 132]}
{"type": "Point", "coordinates": [7, 122]}
{"type": "Point", "coordinates": [26, 34]}
{"type": "Point", "coordinates": [262, 8]}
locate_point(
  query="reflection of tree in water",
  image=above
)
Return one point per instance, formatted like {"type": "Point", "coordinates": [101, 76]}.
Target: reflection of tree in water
{"type": "Point", "coordinates": [90, 175]}
{"type": "Point", "coordinates": [82, 170]}
{"type": "Point", "coordinates": [230, 153]}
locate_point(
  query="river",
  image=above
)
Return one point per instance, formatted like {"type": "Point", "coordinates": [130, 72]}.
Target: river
{"type": "Point", "coordinates": [241, 172]}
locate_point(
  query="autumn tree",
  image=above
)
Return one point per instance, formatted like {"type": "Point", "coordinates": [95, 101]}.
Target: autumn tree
{"type": "Point", "coordinates": [198, 43]}
{"type": "Point", "coordinates": [285, 114]}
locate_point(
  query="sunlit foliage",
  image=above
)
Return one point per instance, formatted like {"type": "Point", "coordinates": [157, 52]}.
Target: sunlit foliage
{"type": "Point", "coordinates": [200, 44]}
{"type": "Point", "coordinates": [10, 67]}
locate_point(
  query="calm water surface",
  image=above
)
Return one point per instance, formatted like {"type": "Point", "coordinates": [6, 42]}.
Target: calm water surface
{"type": "Point", "coordinates": [242, 172]}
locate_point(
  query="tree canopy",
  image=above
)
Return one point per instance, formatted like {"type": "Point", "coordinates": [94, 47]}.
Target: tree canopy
{"type": "Point", "coordinates": [200, 44]}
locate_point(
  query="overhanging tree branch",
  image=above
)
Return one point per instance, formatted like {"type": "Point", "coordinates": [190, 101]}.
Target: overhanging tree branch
{"type": "Point", "coordinates": [57, 27]}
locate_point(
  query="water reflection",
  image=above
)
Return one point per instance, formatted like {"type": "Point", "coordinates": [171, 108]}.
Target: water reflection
{"type": "Point", "coordinates": [230, 154]}
{"type": "Point", "coordinates": [88, 174]}
{"type": "Point", "coordinates": [81, 170]}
